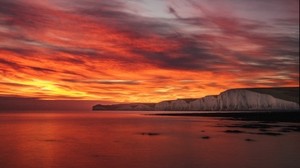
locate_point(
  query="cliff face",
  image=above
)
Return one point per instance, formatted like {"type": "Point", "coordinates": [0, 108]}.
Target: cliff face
{"type": "Point", "coordinates": [230, 100]}
{"type": "Point", "coordinates": [207, 103]}
{"type": "Point", "coordinates": [174, 105]}
{"type": "Point", "coordinates": [126, 107]}
{"type": "Point", "coordinates": [243, 99]}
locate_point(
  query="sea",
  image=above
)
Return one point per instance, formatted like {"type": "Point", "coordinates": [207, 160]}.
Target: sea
{"type": "Point", "coordinates": [111, 139]}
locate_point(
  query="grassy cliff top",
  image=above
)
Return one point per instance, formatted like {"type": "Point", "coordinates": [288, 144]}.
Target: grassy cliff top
{"type": "Point", "coordinates": [284, 93]}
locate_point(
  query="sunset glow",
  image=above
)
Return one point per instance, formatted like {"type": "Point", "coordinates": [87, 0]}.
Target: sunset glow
{"type": "Point", "coordinates": [145, 50]}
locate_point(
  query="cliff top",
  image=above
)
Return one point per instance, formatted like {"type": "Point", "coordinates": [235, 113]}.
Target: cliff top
{"type": "Point", "coordinates": [284, 93]}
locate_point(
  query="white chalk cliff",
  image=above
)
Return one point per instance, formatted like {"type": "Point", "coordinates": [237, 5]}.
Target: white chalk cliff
{"type": "Point", "coordinates": [240, 99]}
{"type": "Point", "coordinates": [230, 100]}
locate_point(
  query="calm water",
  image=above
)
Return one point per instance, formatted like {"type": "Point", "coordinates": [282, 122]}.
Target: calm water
{"type": "Point", "coordinates": [132, 140]}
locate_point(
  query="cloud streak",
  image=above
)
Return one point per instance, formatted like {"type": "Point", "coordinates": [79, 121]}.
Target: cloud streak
{"type": "Point", "coordinates": [106, 50]}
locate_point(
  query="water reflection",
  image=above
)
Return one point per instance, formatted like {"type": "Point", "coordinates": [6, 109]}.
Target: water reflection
{"type": "Point", "coordinates": [111, 140]}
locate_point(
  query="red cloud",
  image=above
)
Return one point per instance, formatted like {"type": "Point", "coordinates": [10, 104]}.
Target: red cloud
{"type": "Point", "coordinates": [104, 52]}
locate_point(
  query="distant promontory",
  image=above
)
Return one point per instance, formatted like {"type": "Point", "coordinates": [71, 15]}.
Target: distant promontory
{"type": "Point", "coordinates": [245, 99]}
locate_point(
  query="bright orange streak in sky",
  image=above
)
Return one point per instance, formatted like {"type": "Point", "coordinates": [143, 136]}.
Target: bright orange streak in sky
{"type": "Point", "coordinates": [107, 51]}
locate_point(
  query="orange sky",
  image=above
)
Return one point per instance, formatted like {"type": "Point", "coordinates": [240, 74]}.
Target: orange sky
{"type": "Point", "coordinates": [145, 51]}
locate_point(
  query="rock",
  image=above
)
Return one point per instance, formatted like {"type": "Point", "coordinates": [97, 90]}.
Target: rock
{"type": "Point", "coordinates": [205, 137]}
{"type": "Point", "coordinates": [249, 140]}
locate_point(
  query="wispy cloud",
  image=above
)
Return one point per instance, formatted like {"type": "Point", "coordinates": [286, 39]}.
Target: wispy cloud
{"type": "Point", "coordinates": [109, 50]}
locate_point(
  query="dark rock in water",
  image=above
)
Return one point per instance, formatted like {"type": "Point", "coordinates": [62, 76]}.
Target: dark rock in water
{"type": "Point", "coordinates": [249, 140]}
{"type": "Point", "coordinates": [263, 130]}
{"type": "Point", "coordinates": [253, 126]}
{"type": "Point", "coordinates": [234, 131]}
{"type": "Point", "coordinates": [291, 128]}
{"type": "Point", "coordinates": [205, 137]}
{"type": "Point", "coordinates": [270, 133]}
{"type": "Point", "coordinates": [285, 130]}
{"type": "Point", "coordinates": [150, 133]}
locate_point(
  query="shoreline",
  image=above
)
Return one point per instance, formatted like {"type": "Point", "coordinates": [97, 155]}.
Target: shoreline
{"type": "Point", "coordinates": [292, 116]}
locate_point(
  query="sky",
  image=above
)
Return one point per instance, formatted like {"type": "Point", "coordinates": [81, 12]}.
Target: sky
{"type": "Point", "coordinates": [145, 50]}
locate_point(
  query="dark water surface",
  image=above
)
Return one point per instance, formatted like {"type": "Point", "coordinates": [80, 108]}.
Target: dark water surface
{"type": "Point", "coordinates": [134, 140]}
